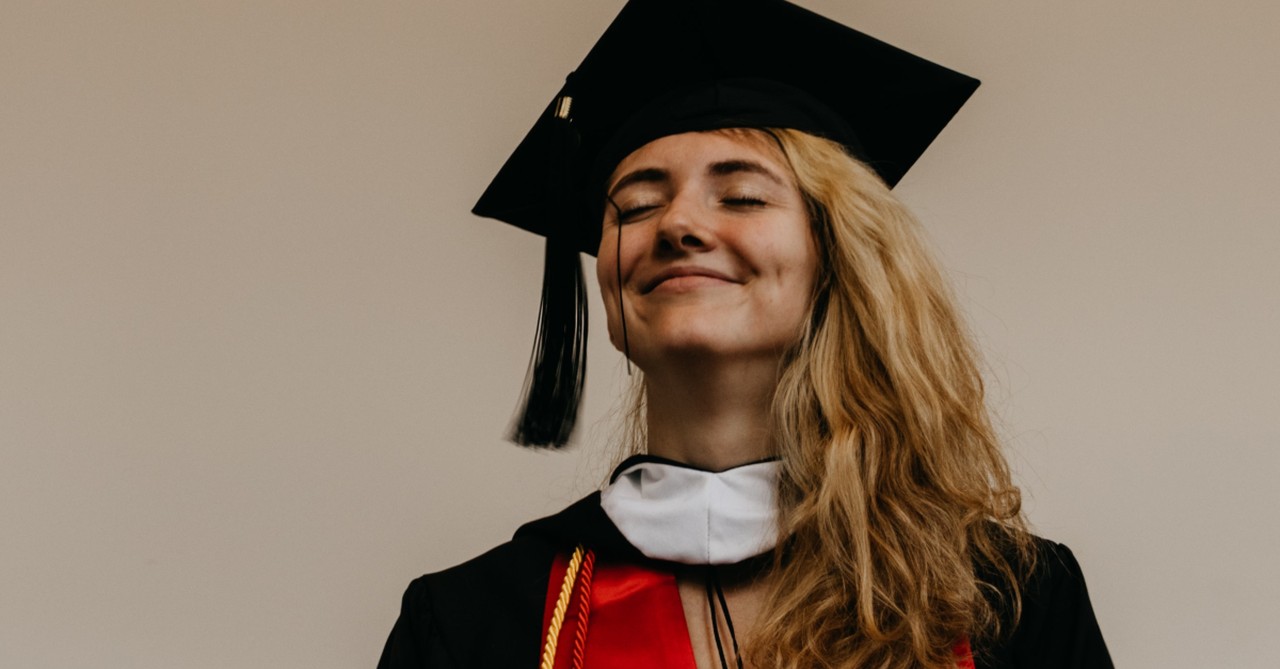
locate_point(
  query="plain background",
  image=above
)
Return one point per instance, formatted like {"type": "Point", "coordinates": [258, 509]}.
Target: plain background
{"type": "Point", "coordinates": [257, 360]}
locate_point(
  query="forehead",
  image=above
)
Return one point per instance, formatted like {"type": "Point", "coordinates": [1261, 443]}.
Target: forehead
{"type": "Point", "coordinates": [695, 150]}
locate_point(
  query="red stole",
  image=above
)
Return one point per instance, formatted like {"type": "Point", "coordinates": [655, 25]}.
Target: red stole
{"type": "Point", "coordinates": [631, 618]}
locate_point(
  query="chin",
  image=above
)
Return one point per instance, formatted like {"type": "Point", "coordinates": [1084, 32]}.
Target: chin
{"type": "Point", "coordinates": [702, 335]}
{"type": "Point", "coordinates": [693, 333]}
{"type": "Point", "coordinates": [700, 344]}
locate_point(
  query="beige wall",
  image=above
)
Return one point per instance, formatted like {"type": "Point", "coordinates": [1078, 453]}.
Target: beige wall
{"type": "Point", "coordinates": [256, 358]}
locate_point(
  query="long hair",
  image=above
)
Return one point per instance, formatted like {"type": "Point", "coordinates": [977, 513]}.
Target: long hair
{"type": "Point", "coordinates": [904, 531]}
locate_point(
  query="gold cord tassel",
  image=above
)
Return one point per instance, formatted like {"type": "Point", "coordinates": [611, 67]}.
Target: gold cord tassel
{"type": "Point", "coordinates": [562, 603]}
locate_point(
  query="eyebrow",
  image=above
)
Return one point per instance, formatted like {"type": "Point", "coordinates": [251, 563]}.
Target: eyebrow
{"type": "Point", "coordinates": [728, 167]}
{"type": "Point", "coordinates": [718, 169]}
{"type": "Point", "coordinates": [641, 176]}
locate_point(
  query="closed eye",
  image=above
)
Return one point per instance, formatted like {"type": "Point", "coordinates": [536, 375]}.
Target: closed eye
{"type": "Point", "coordinates": [633, 213]}
{"type": "Point", "coordinates": [744, 202]}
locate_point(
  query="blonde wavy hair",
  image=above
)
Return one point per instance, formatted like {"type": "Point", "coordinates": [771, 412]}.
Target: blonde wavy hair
{"type": "Point", "coordinates": [896, 499]}
{"type": "Point", "coordinates": [904, 530]}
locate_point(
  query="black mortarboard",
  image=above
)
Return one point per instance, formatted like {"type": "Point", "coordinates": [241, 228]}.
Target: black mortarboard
{"type": "Point", "coordinates": [669, 66]}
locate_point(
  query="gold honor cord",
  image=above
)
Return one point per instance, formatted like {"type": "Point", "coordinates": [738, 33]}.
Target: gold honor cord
{"type": "Point", "coordinates": [562, 603]}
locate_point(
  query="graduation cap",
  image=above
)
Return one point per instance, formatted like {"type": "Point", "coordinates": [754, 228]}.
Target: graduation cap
{"type": "Point", "coordinates": [665, 67]}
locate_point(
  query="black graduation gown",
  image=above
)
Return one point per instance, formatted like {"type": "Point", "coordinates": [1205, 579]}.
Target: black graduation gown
{"type": "Point", "coordinates": [487, 612]}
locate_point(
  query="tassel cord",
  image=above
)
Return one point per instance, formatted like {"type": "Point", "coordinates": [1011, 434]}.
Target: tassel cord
{"type": "Point", "coordinates": [557, 369]}
{"type": "Point", "coordinates": [716, 592]}
{"type": "Point", "coordinates": [557, 615]}
{"type": "Point", "coordinates": [584, 609]}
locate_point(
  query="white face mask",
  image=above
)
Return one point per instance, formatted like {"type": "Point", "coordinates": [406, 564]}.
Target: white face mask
{"type": "Point", "coordinates": [674, 512]}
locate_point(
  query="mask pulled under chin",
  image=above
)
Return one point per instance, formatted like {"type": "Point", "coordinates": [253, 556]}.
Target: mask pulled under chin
{"type": "Point", "coordinates": [674, 512]}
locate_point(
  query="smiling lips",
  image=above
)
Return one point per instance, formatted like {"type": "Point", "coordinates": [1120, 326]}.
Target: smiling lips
{"type": "Point", "coordinates": [683, 272]}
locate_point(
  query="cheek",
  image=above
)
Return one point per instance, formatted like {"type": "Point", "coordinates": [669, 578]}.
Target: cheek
{"type": "Point", "coordinates": [807, 266]}
{"type": "Point", "coordinates": [792, 260]}
{"type": "Point", "coordinates": [607, 279]}
{"type": "Point", "coordinates": [788, 304]}
{"type": "Point", "coordinates": [607, 257]}
{"type": "Point", "coordinates": [606, 264]}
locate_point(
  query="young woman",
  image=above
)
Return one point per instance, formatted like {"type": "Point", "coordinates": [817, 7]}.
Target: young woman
{"type": "Point", "coordinates": [818, 484]}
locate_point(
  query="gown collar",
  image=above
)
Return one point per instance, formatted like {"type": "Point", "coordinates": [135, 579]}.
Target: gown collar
{"type": "Point", "coordinates": [675, 512]}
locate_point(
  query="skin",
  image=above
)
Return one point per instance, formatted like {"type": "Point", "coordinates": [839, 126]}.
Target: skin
{"type": "Point", "coordinates": [717, 262]}
{"type": "Point", "coordinates": [745, 594]}
{"type": "Point", "coordinates": [726, 209]}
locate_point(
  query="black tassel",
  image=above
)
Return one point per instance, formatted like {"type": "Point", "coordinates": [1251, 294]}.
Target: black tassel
{"type": "Point", "coordinates": [557, 370]}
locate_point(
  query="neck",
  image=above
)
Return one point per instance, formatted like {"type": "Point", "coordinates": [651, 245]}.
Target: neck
{"type": "Point", "coordinates": [712, 414]}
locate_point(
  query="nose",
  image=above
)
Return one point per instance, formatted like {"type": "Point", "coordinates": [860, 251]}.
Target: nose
{"type": "Point", "coordinates": [683, 228]}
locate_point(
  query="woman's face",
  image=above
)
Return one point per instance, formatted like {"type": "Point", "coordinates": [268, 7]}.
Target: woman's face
{"type": "Point", "coordinates": [716, 253]}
